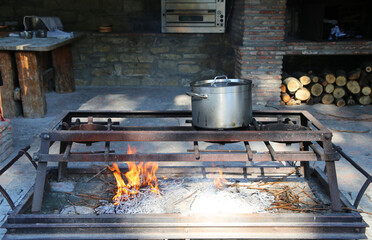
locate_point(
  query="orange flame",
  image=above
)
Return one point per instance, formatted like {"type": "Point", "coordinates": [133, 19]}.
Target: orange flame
{"type": "Point", "coordinates": [220, 182]}
{"type": "Point", "coordinates": [138, 176]}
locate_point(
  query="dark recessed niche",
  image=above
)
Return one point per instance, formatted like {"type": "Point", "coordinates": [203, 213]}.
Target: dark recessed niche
{"type": "Point", "coordinates": [317, 63]}
{"type": "Point", "coordinates": [313, 19]}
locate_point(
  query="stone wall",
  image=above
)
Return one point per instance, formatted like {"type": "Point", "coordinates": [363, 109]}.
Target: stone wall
{"type": "Point", "coordinates": [88, 15]}
{"type": "Point", "coordinates": [150, 59]}
{"type": "Point", "coordinates": [6, 140]}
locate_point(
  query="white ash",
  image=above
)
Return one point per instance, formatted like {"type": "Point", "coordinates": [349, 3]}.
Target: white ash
{"type": "Point", "coordinates": [191, 196]}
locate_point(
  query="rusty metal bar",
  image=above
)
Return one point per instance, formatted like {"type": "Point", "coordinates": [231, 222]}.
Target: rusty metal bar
{"type": "Point", "coordinates": [66, 154]}
{"type": "Point", "coordinates": [351, 161]}
{"type": "Point", "coordinates": [174, 157]}
{"type": "Point", "coordinates": [7, 197]}
{"type": "Point", "coordinates": [190, 135]}
{"type": "Point", "coordinates": [248, 150]}
{"type": "Point", "coordinates": [267, 143]}
{"type": "Point", "coordinates": [15, 159]}
{"type": "Point", "coordinates": [361, 170]}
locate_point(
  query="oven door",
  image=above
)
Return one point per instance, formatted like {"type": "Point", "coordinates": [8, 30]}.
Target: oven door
{"type": "Point", "coordinates": [191, 18]}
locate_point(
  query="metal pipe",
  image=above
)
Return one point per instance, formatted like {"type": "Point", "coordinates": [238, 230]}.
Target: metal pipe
{"type": "Point", "coordinates": [249, 150]}
{"type": "Point", "coordinates": [7, 197]}
{"type": "Point", "coordinates": [351, 161]}
{"type": "Point", "coordinates": [19, 155]}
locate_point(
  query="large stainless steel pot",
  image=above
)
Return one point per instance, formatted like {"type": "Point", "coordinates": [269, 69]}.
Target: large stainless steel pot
{"type": "Point", "coordinates": [221, 103]}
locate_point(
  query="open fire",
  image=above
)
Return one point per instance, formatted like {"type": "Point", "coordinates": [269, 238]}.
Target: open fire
{"type": "Point", "coordinates": [142, 175]}
{"type": "Point", "coordinates": [138, 176]}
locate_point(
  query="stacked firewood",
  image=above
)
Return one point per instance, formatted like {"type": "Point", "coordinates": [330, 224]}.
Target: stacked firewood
{"type": "Point", "coordinates": [329, 87]}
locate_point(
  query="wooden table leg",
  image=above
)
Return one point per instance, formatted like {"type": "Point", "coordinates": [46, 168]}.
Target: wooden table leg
{"type": "Point", "coordinates": [10, 107]}
{"type": "Point", "coordinates": [32, 92]}
{"type": "Point", "coordinates": [62, 63]}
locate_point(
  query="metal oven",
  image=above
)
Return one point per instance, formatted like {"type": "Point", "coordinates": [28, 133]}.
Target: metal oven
{"type": "Point", "coordinates": [193, 16]}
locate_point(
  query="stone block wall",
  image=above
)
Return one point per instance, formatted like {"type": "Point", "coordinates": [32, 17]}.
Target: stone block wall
{"type": "Point", "coordinates": [6, 140]}
{"type": "Point", "coordinates": [259, 48]}
{"type": "Point", "coordinates": [150, 59]}
{"type": "Point", "coordinates": [88, 15]}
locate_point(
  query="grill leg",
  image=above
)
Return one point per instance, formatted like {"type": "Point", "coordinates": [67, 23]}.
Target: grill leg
{"type": "Point", "coordinates": [39, 186]}
{"type": "Point", "coordinates": [62, 166]}
{"type": "Point", "coordinates": [333, 186]}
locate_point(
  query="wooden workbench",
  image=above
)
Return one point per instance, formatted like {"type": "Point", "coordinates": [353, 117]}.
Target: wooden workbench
{"type": "Point", "coordinates": [30, 59]}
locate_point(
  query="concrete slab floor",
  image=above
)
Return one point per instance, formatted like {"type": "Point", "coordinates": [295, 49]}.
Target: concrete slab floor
{"type": "Point", "coordinates": [352, 126]}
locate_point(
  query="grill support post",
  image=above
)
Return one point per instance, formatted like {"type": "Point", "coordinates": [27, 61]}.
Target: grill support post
{"type": "Point", "coordinates": [40, 178]}
{"type": "Point", "coordinates": [334, 191]}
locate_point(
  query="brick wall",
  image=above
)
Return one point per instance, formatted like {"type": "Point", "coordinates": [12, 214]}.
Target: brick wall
{"type": "Point", "coordinates": [259, 48]}
{"type": "Point", "coordinates": [150, 59]}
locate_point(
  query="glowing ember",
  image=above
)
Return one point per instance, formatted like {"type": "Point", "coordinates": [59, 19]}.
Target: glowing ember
{"type": "Point", "coordinates": [219, 181]}
{"type": "Point", "coordinates": [138, 176]}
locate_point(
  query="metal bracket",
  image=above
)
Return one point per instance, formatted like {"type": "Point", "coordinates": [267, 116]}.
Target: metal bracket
{"type": "Point", "coordinates": [196, 150]}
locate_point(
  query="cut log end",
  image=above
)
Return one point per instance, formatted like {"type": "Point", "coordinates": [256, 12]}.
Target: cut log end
{"type": "Point", "coordinates": [339, 92]}
{"type": "Point", "coordinates": [368, 69]}
{"type": "Point", "coordinates": [366, 90]}
{"type": "Point", "coordinates": [365, 100]}
{"type": "Point", "coordinates": [316, 89]}
{"type": "Point", "coordinates": [327, 98]}
{"type": "Point", "coordinates": [285, 97]}
{"type": "Point", "coordinates": [302, 94]}
{"type": "Point", "coordinates": [329, 88]}
{"type": "Point", "coordinates": [341, 81]}
{"type": "Point", "coordinates": [330, 78]}
{"type": "Point", "coordinates": [283, 89]}
{"type": "Point", "coordinates": [340, 102]}
{"type": "Point", "coordinates": [350, 101]}
{"type": "Point", "coordinates": [292, 84]}
{"type": "Point", "coordinates": [353, 87]}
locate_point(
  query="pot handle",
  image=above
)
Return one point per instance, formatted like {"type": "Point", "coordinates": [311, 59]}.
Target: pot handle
{"type": "Point", "coordinates": [217, 77]}
{"type": "Point", "coordinates": [202, 96]}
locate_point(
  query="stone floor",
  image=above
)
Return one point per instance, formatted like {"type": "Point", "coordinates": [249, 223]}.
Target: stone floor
{"type": "Point", "coordinates": [352, 127]}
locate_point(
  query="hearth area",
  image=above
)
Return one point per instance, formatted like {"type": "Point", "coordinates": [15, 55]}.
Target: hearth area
{"type": "Point", "coordinates": [260, 163]}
